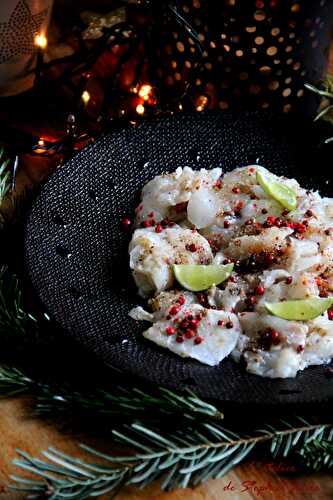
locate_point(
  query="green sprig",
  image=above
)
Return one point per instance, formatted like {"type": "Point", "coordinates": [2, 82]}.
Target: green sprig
{"type": "Point", "coordinates": [120, 400]}
{"type": "Point", "coordinates": [4, 182]}
{"type": "Point", "coordinates": [326, 106]}
{"type": "Point", "coordinates": [179, 458]}
{"type": "Point", "coordinates": [124, 402]}
{"type": "Point", "coordinates": [318, 454]}
{"type": "Point", "coordinates": [14, 320]}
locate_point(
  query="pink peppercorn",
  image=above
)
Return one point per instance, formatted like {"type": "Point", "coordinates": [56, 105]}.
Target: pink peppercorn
{"type": "Point", "coordinates": [198, 340]}
{"type": "Point", "coordinates": [270, 221]}
{"type": "Point", "coordinates": [300, 228]}
{"type": "Point", "coordinates": [275, 337]}
{"type": "Point", "coordinates": [174, 310]}
{"type": "Point", "coordinates": [181, 300]}
{"type": "Point", "coordinates": [192, 247]}
{"type": "Point", "coordinates": [126, 223]}
{"type": "Point", "coordinates": [189, 334]}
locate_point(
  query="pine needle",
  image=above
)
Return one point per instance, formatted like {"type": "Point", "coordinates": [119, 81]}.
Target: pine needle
{"type": "Point", "coordinates": [158, 455]}
{"type": "Point", "coordinates": [326, 105]}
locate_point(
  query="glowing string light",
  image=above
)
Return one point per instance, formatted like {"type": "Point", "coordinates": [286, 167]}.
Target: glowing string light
{"type": "Point", "coordinates": [40, 150]}
{"type": "Point", "coordinates": [85, 97]}
{"type": "Point", "coordinates": [201, 103]}
{"type": "Point", "coordinates": [145, 91]}
{"type": "Point", "coordinates": [140, 109]}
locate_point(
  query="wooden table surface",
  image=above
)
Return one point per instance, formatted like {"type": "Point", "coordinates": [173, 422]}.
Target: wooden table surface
{"type": "Point", "coordinates": [250, 480]}
{"type": "Point", "coordinates": [19, 430]}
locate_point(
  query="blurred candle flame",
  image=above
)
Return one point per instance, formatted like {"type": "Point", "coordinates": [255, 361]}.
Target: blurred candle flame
{"type": "Point", "coordinates": [40, 41]}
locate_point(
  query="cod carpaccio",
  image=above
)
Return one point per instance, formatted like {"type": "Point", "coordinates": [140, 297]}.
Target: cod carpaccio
{"type": "Point", "coordinates": [204, 217]}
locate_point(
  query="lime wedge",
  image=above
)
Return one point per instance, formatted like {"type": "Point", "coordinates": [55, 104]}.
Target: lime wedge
{"type": "Point", "coordinates": [197, 278]}
{"type": "Point", "coordinates": [301, 310]}
{"type": "Point", "coordinates": [280, 192]}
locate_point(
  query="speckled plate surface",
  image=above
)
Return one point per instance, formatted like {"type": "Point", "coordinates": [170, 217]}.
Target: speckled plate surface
{"type": "Point", "coordinates": [76, 254]}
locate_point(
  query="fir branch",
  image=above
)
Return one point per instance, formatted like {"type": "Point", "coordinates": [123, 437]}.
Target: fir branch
{"type": "Point", "coordinates": [120, 400]}
{"type": "Point", "coordinates": [326, 105]}
{"type": "Point", "coordinates": [14, 320]}
{"type": "Point", "coordinates": [4, 176]}
{"type": "Point", "coordinates": [14, 382]}
{"type": "Point", "coordinates": [4, 182]}
{"type": "Point", "coordinates": [182, 457]}
{"type": "Point", "coordinates": [124, 402]}
{"type": "Point", "coordinates": [318, 455]}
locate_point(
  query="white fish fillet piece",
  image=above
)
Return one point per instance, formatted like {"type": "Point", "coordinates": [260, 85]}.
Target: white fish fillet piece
{"type": "Point", "coordinates": [217, 343]}
{"type": "Point", "coordinates": [269, 278]}
{"type": "Point", "coordinates": [268, 240]}
{"type": "Point", "coordinates": [303, 286]}
{"type": "Point", "coordinates": [303, 255]}
{"type": "Point", "coordinates": [293, 332]}
{"type": "Point", "coordinates": [280, 361]}
{"type": "Point", "coordinates": [170, 189]}
{"type": "Point", "coordinates": [160, 304]}
{"type": "Point", "coordinates": [229, 297]}
{"type": "Point", "coordinates": [203, 206]}
{"type": "Point", "coordinates": [152, 255]}
{"type": "Point", "coordinates": [138, 313]}
{"type": "Point", "coordinates": [319, 344]}
{"type": "Point", "coordinates": [164, 300]}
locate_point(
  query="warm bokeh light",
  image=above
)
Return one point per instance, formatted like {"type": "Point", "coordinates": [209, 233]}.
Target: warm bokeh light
{"type": "Point", "coordinates": [85, 97]}
{"type": "Point", "coordinates": [40, 150]}
{"type": "Point", "coordinates": [40, 41]}
{"type": "Point", "coordinates": [140, 109]}
{"type": "Point", "coordinates": [145, 91]}
{"type": "Point", "coordinates": [201, 103]}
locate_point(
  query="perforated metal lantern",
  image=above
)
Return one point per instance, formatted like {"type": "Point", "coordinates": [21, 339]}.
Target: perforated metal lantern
{"type": "Point", "coordinates": [256, 54]}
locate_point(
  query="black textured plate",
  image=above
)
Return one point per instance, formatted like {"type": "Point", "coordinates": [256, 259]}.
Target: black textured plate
{"type": "Point", "coordinates": [76, 254]}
